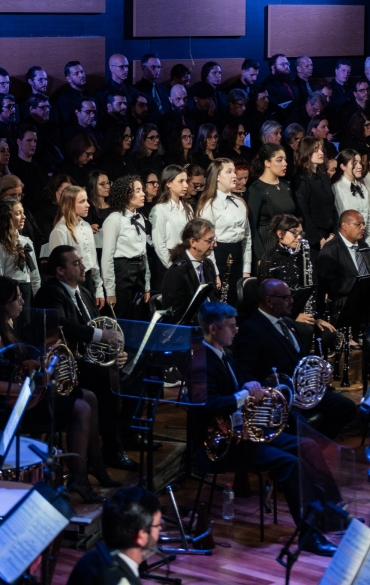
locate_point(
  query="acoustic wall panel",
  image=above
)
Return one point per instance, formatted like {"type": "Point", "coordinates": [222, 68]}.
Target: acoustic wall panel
{"type": "Point", "coordinates": [52, 6]}
{"type": "Point", "coordinates": [52, 53]}
{"type": "Point", "coordinates": [231, 69]}
{"type": "Point", "coordinates": [316, 30]}
{"type": "Point", "coordinates": [172, 18]}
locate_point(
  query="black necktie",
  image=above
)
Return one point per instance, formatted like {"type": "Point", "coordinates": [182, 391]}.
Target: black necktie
{"type": "Point", "coordinates": [26, 259]}
{"type": "Point", "coordinates": [134, 221]}
{"type": "Point", "coordinates": [361, 264]}
{"type": "Point", "coordinates": [356, 190]}
{"type": "Point", "coordinates": [202, 279]}
{"type": "Point", "coordinates": [157, 99]}
{"type": "Point", "coordinates": [81, 307]}
{"type": "Point", "coordinates": [230, 198]}
{"type": "Point", "coordinates": [287, 334]}
{"type": "Point", "coordinates": [228, 370]}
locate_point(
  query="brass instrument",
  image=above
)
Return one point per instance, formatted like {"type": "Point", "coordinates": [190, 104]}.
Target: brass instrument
{"type": "Point", "coordinates": [225, 283]}
{"type": "Point", "coordinates": [98, 352]}
{"type": "Point", "coordinates": [310, 379]}
{"type": "Point", "coordinates": [66, 371]}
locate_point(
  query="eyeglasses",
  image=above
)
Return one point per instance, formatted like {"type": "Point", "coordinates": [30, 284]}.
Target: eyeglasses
{"type": "Point", "coordinates": [152, 183]}
{"type": "Point", "coordinates": [297, 234]}
{"type": "Point", "coordinates": [187, 136]}
{"type": "Point", "coordinates": [128, 137]}
{"type": "Point", "coordinates": [286, 298]}
{"type": "Point", "coordinates": [154, 67]}
{"type": "Point", "coordinates": [89, 154]}
{"type": "Point", "coordinates": [242, 133]}
{"type": "Point", "coordinates": [121, 66]}
{"type": "Point", "coordinates": [9, 106]}
{"type": "Point", "coordinates": [105, 184]}
{"type": "Point", "coordinates": [153, 138]}
{"type": "Point", "coordinates": [43, 108]}
{"type": "Point", "coordinates": [197, 185]}
{"type": "Point", "coordinates": [241, 104]}
{"type": "Point", "coordinates": [88, 111]}
{"type": "Point", "coordinates": [210, 240]}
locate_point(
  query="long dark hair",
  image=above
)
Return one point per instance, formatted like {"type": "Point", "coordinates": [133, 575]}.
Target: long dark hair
{"type": "Point", "coordinates": [164, 194]}
{"type": "Point", "coordinates": [8, 294]}
{"type": "Point", "coordinates": [176, 148]}
{"type": "Point", "coordinates": [283, 222]}
{"type": "Point", "coordinates": [13, 247]}
{"type": "Point", "coordinates": [92, 188]}
{"type": "Point", "coordinates": [304, 152]}
{"type": "Point", "coordinates": [266, 152]}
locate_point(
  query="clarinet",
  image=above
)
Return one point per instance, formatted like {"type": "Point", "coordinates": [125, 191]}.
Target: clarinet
{"type": "Point", "coordinates": [225, 283]}
{"type": "Point", "coordinates": [345, 379]}
{"type": "Point", "coordinates": [339, 343]}
{"type": "Point", "coordinates": [310, 306]}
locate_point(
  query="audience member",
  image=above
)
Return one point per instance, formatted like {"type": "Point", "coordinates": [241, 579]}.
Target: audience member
{"type": "Point", "coordinates": [4, 157]}
{"type": "Point", "coordinates": [204, 111]}
{"type": "Point", "coordinates": [137, 112]}
{"type": "Point", "coordinates": [49, 139]}
{"type": "Point", "coordinates": [206, 146]}
{"type": "Point", "coordinates": [359, 104]}
{"type": "Point", "coordinates": [75, 76]}
{"type": "Point", "coordinates": [248, 77]}
{"type": "Point", "coordinates": [212, 73]}
{"type": "Point", "coordinates": [97, 189]}
{"type": "Point", "coordinates": [242, 171]}
{"type": "Point", "coordinates": [4, 81]}
{"type": "Point", "coordinates": [177, 116]}
{"type": "Point", "coordinates": [259, 111]}
{"type": "Point", "coordinates": [180, 75]}
{"type": "Point", "coordinates": [342, 94]}
{"type": "Point", "coordinates": [281, 89]}
{"type": "Point", "coordinates": [292, 136]}
{"type": "Point", "coordinates": [271, 133]}
{"type": "Point", "coordinates": [117, 160]}
{"type": "Point", "coordinates": [46, 213]}
{"type": "Point", "coordinates": [148, 150]}
{"type": "Point", "coordinates": [195, 183]}
{"type": "Point", "coordinates": [80, 158]}
{"type": "Point", "coordinates": [156, 94]}
{"type": "Point", "coordinates": [82, 120]}
{"type": "Point", "coordinates": [118, 66]}
{"type": "Point", "coordinates": [357, 134]}
{"type": "Point", "coordinates": [233, 137]}
{"type": "Point", "coordinates": [237, 102]}
{"type": "Point", "coordinates": [181, 147]}
{"type": "Point", "coordinates": [304, 68]}
{"type": "Point", "coordinates": [319, 126]}
{"type": "Point", "coordinates": [313, 107]}
{"type": "Point", "coordinates": [38, 81]}
{"type": "Point", "coordinates": [115, 111]}
{"type": "Point", "coordinates": [7, 118]}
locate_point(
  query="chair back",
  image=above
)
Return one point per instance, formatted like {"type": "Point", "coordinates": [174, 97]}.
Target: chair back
{"type": "Point", "coordinates": [247, 301]}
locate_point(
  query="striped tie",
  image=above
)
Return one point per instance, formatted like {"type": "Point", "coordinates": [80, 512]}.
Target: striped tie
{"type": "Point", "coordinates": [361, 264]}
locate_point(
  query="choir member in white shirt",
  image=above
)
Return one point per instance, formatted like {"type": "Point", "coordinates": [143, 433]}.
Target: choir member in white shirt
{"type": "Point", "coordinates": [70, 229]}
{"type": "Point", "coordinates": [229, 215]}
{"type": "Point", "coordinates": [170, 215]}
{"type": "Point", "coordinates": [17, 257]}
{"type": "Point", "coordinates": [348, 187]}
{"type": "Point", "coordinates": [125, 265]}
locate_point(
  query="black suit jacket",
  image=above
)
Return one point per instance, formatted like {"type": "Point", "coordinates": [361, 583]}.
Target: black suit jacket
{"type": "Point", "coordinates": [53, 295]}
{"type": "Point", "coordinates": [279, 94]}
{"type": "Point", "coordinates": [259, 347]}
{"type": "Point", "coordinates": [145, 86]}
{"type": "Point", "coordinates": [94, 569]}
{"type": "Point", "coordinates": [181, 282]}
{"type": "Point", "coordinates": [337, 273]}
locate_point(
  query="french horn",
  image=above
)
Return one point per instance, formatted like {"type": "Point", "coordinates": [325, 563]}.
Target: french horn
{"type": "Point", "coordinates": [98, 352]}
{"type": "Point", "coordinates": [66, 370]}
{"type": "Point", "coordinates": [310, 379]}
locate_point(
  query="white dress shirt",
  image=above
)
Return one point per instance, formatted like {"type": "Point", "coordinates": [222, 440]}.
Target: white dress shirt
{"type": "Point", "coordinates": [8, 268]}
{"type": "Point", "coordinates": [97, 335]}
{"type": "Point", "coordinates": [121, 240]}
{"type": "Point", "coordinates": [85, 245]}
{"type": "Point", "coordinates": [167, 221]}
{"type": "Point", "coordinates": [350, 250]}
{"type": "Point", "coordinates": [231, 224]}
{"type": "Point", "coordinates": [274, 321]}
{"type": "Point", "coordinates": [345, 199]}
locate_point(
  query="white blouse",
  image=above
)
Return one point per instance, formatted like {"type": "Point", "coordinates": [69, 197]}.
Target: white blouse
{"type": "Point", "coordinates": [85, 245]}
{"type": "Point", "coordinates": [231, 224]}
{"type": "Point", "coordinates": [345, 199]}
{"type": "Point", "coordinates": [167, 221]}
{"type": "Point", "coordinates": [121, 240]}
{"type": "Point", "coordinates": [8, 268]}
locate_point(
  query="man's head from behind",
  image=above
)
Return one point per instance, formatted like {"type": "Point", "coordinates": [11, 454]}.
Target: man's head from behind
{"type": "Point", "coordinates": [65, 264]}
{"type": "Point", "coordinates": [275, 298]}
{"type": "Point", "coordinates": [131, 519]}
{"type": "Point", "coordinates": [352, 225]}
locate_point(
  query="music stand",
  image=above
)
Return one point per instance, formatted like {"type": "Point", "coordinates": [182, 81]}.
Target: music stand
{"type": "Point", "coordinates": [300, 298]}
{"type": "Point", "coordinates": [198, 299]}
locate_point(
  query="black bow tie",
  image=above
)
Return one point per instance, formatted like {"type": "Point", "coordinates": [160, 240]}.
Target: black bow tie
{"type": "Point", "coordinates": [356, 189]}
{"type": "Point", "coordinates": [232, 199]}
{"type": "Point", "coordinates": [134, 221]}
{"type": "Point", "coordinates": [26, 259]}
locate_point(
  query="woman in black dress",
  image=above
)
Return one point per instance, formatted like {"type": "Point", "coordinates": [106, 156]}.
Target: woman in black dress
{"type": "Point", "coordinates": [148, 150]}
{"type": "Point", "coordinates": [233, 136]}
{"type": "Point", "coordinates": [117, 160]}
{"type": "Point", "coordinates": [80, 161]}
{"type": "Point", "coordinates": [268, 196]}
{"type": "Point", "coordinates": [45, 216]}
{"type": "Point", "coordinates": [206, 146]}
{"type": "Point", "coordinates": [97, 189]}
{"type": "Point", "coordinates": [180, 147]}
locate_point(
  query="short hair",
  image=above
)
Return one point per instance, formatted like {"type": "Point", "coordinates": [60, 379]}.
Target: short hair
{"type": "Point", "coordinates": [215, 313]}
{"type": "Point", "coordinates": [57, 258]}
{"type": "Point", "coordinates": [127, 512]}
{"type": "Point", "coordinates": [3, 72]}
{"type": "Point", "coordinates": [23, 128]}
{"type": "Point", "coordinates": [201, 89]}
{"type": "Point", "coordinates": [317, 98]}
{"type": "Point", "coordinates": [343, 62]}
{"type": "Point", "coordinates": [195, 170]}
{"type": "Point", "coordinates": [35, 99]}
{"type": "Point", "coordinates": [77, 105]}
{"type": "Point", "coordinates": [194, 229]}
{"type": "Point", "coordinates": [135, 97]}
{"type": "Point", "coordinates": [6, 96]}
{"type": "Point", "coordinates": [358, 81]}
{"type": "Point", "coordinates": [236, 95]}
{"type": "Point", "coordinates": [250, 64]}
{"type": "Point", "coordinates": [367, 63]}
{"type": "Point", "coordinates": [145, 58]}
{"type": "Point", "coordinates": [67, 68]}
{"type": "Point", "coordinates": [291, 132]}
{"type": "Point", "coordinates": [241, 164]}
{"type": "Point", "coordinates": [268, 128]}
{"type": "Point", "coordinates": [113, 94]}
{"type": "Point", "coordinates": [31, 73]}
{"type": "Point", "coordinates": [346, 215]}
{"type": "Point", "coordinates": [254, 92]}
{"type": "Point", "coordinates": [207, 68]}
{"type": "Point", "coordinates": [298, 59]}
{"type": "Point", "coordinates": [272, 60]}
{"type": "Point", "coordinates": [179, 71]}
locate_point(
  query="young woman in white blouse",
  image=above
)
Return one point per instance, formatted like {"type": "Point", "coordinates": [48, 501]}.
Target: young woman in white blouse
{"type": "Point", "coordinates": [17, 257]}
{"type": "Point", "coordinates": [170, 215]}
{"type": "Point", "coordinates": [125, 265]}
{"type": "Point", "coordinates": [71, 229]}
{"type": "Point", "coordinates": [229, 215]}
{"type": "Point", "coordinates": [348, 188]}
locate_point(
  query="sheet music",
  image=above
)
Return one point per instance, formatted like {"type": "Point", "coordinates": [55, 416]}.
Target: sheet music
{"type": "Point", "coordinates": [349, 556]}
{"type": "Point", "coordinates": [130, 366]}
{"type": "Point", "coordinates": [26, 533]}
{"type": "Point", "coordinates": [16, 414]}
{"type": "Point", "coordinates": [363, 577]}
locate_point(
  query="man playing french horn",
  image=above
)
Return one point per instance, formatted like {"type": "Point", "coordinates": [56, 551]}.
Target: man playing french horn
{"type": "Point", "coordinates": [225, 395]}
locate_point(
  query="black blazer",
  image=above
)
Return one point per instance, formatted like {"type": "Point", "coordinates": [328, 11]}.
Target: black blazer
{"type": "Point", "coordinates": [181, 282]}
{"type": "Point", "coordinates": [94, 569]}
{"type": "Point", "coordinates": [144, 86]}
{"type": "Point", "coordinates": [259, 347]}
{"type": "Point", "coordinates": [337, 273]}
{"type": "Point", "coordinates": [53, 295]}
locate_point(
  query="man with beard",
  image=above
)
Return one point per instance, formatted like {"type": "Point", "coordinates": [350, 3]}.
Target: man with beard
{"type": "Point", "coordinates": [156, 93]}
{"type": "Point", "coordinates": [7, 118]}
{"type": "Point", "coordinates": [248, 77]}
{"type": "Point", "coordinates": [176, 117]}
{"type": "Point", "coordinates": [279, 83]}
{"type": "Point", "coordinates": [75, 75]}
{"type": "Point", "coordinates": [304, 68]}
{"type": "Point", "coordinates": [116, 111]}
{"type": "Point", "coordinates": [38, 81]}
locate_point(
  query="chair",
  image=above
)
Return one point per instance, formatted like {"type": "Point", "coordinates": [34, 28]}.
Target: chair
{"type": "Point", "coordinates": [247, 302]}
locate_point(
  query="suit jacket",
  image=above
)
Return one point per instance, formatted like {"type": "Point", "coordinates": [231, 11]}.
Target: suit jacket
{"type": "Point", "coordinates": [259, 347]}
{"type": "Point", "coordinates": [145, 86]}
{"type": "Point", "coordinates": [337, 273]}
{"type": "Point", "coordinates": [53, 295]}
{"type": "Point", "coordinates": [279, 94]}
{"type": "Point", "coordinates": [181, 282]}
{"type": "Point", "coordinates": [95, 569]}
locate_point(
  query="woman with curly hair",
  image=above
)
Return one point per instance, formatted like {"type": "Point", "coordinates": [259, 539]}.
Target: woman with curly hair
{"type": "Point", "coordinates": [71, 230]}
{"type": "Point", "coordinates": [125, 265]}
{"type": "Point", "coordinates": [117, 160]}
{"type": "Point", "coordinates": [17, 257]}
{"type": "Point", "coordinates": [148, 150]}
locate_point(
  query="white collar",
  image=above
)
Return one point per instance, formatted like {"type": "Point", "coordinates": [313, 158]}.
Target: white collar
{"type": "Point", "coordinates": [195, 262]}
{"type": "Point", "coordinates": [70, 289]}
{"type": "Point", "coordinates": [271, 318]}
{"type": "Point", "coordinates": [218, 352]}
{"type": "Point", "coordinates": [132, 564]}
{"type": "Point", "coordinates": [347, 242]}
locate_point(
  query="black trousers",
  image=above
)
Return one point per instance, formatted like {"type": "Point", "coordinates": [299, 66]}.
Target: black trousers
{"type": "Point", "coordinates": [130, 280]}
{"type": "Point", "coordinates": [222, 252]}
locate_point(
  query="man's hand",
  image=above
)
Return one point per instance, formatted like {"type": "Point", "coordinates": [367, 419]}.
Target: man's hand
{"type": "Point", "coordinates": [146, 296]}
{"type": "Point", "coordinates": [111, 337]}
{"type": "Point", "coordinates": [100, 303]}
{"type": "Point", "coordinates": [218, 283]}
{"type": "Point", "coordinates": [112, 300]}
{"type": "Point", "coordinates": [321, 324]}
{"type": "Point", "coordinates": [305, 318]}
{"type": "Point", "coordinates": [255, 390]}
{"type": "Point", "coordinates": [121, 359]}
{"type": "Point", "coordinates": [246, 274]}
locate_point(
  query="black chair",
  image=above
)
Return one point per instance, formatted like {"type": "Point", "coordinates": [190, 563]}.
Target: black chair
{"type": "Point", "coordinates": [247, 302]}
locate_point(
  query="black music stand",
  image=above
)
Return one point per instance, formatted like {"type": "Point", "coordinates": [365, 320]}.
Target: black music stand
{"type": "Point", "coordinates": [300, 298]}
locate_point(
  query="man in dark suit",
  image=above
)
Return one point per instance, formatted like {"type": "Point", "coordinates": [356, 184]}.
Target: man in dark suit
{"type": "Point", "coordinates": [215, 380]}
{"type": "Point", "coordinates": [75, 75]}
{"type": "Point", "coordinates": [119, 66]}
{"type": "Point", "coordinates": [156, 93]}
{"type": "Point", "coordinates": [342, 94]}
{"type": "Point", "coordinates": [8, 129]}
{"type": "Point", "coordinates": [248, 77]}
{"type": "Point", "coordinates": [279, 83]}
{"type": "Point", "coordinates": [75, 308]}
{"type": "Point", "coordinates": [131, 521]}
{"type": "Point", "coordinates": [339, 264]}
{"type": "Point", "coordinates": [304, 68]}
{"type": "Point", "coordinates": [270, 339]}
{"type": "Point", "coordinates": [191, 267]}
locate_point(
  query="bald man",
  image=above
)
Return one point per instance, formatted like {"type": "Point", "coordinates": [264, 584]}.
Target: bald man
{"type": "Point", "coordinates": [119, 67]}
{"type": "Point", "coordinates": [177, 117]}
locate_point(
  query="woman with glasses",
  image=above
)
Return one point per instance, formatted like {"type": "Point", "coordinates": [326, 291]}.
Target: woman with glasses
{"type": "Point", "coordinates": [206, 145]}
{"type": "Point", "coordinates": [169, 216]}
{"type": "Point", "coordinates": [151, 186]}
{"type": "Point", "coordinates": [117, 160]}
{"type": "Point", "coordinates": [357, 134]}
{"type": "Point", "coordinates": [97, 189]}
{"type": "Point", "coordinates": [4, 157]}
{"type": "Point", "coordinates": [45, 216]}
{"type": "Point", "coordinates": [319, 127]}
{"type": "Point", "coordinates": [82, 150]}
{"type": "Point", "coordinates": [233, 136]}
{"type": "Point", "coordinates": [72, 230]}
{"type": "Point", "coordinates": [181, 147]}
{"type": "Point", "coordinates": [148, 150]}
{"type": "Point", "coordinates": [228, 213]}
{"type": "Point", "coordinates": [196, 183]}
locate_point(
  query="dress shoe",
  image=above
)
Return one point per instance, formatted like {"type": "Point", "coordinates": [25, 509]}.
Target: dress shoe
{"type": "Point", "coordinates": [134, 443]}
{"type": "Point", "coordinates": [103, 478]}
{"type": "Point", "coordinates": [120, 460]}
{"type": "Point", "coordinates": [86, 492]}
{"type": "Point", "coordinates": [318, 544]}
